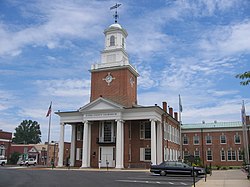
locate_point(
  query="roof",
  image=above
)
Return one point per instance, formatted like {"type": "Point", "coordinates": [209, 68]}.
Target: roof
{"type": "Point", "coordinates": [116, 25]}
{"type": "Point", "coordinates": [212, 125]}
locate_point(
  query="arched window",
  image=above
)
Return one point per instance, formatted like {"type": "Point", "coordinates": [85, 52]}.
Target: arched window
{"type": "Point", "coordinates": [112, 40]}
{"type": "Point", "coordinates": [123, 42]}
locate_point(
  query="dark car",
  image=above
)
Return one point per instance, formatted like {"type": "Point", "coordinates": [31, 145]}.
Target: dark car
{"type": "Point", "coordinates": [172, 167]}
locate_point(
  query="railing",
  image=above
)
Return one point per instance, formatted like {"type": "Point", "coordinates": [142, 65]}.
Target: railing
{"type": "Point", "coordinates": [102, 140]}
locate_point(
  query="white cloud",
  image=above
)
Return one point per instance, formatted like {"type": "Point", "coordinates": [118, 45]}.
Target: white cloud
{"type": "Point", "coordinates": [65, 88]}
{"type": "Point", "coordinates": [62, 19]}
{"type": "Point", "coordinates": [228, 40]}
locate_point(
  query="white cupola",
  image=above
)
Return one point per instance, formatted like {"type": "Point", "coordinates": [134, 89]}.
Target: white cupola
{"type": "Point", "coordinates": [115, 45]}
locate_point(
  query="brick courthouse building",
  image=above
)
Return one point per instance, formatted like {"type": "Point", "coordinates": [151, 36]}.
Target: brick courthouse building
{"type": "Point", "coordinates": [113, 129]}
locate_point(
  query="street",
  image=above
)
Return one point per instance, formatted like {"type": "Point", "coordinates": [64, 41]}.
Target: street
{"type": "Point", "coordinates": [26, 177]}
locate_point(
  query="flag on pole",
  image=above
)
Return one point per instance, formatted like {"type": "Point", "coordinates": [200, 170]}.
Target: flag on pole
{"type": "Point", "coordinates": [49, 110]}
{"type": "Point", "coordinates": [180, 105]}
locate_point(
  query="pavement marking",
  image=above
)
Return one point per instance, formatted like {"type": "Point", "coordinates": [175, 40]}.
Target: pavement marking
{"type": "Point", "coordinates": [184, 183]}
{"type": "Point", "coordinates": [145, 182]}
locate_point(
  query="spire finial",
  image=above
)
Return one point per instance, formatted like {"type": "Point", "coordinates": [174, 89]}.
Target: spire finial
{"type": "Point", "coordinates": [116, 14]}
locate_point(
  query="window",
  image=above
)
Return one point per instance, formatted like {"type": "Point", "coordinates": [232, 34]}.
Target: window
{"type": "Point", "coordinates": [222, 155]}
{"type": "Point", "coordinates": [79, 130]}
{"type": "Point", "coordinates": [237, 139]}
{"type": "Point", "coordinates": [240, 155]}
{"type": "Point", "coordinates": [196, 153]}
{"type": "Point", "coordinates": [2, 150]}
{"type": "Point", "coordinates": [145, 130]}
{"type": "Point", "coordinates": [165, 131]}
{"type": "Point", "coordinates": [123, 42]}
{"type": "Point", "coordinates": [196, 140]}
{"type": "Point", "coordinates": [209, 155]}
{"type": "Point", "coordinates": [223, 139]}
{"type": "Point", "coordinates": [186, 154]}
{"type": "Point", "coordinates": [112, 40]}
{"type": "Point", "coordinates": [145, 154]}
{"type": "Point", "coordinates": [231, 155]}
{"type": "Point", "coordinates": [208, 139]}
{"type": "Point", "coordinates": [185, 140]}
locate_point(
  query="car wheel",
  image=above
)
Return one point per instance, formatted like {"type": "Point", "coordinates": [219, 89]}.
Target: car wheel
{"type": "Point", "coordinates": [3, 164]}
{"type": "Point", "coordinates": [27, 164]}
{"type": "Point", "coordinates": [163, 173]}
{"type": "Point", "coordinates": [34, 164]}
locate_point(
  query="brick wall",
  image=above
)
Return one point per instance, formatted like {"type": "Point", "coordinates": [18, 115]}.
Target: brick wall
{"type": "Point", "coordinates": [120, 89]}
{"type": "Point", "coordinates": [215, 146]}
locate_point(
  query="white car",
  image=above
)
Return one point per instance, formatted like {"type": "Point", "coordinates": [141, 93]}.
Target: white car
{"type": "Point", "coordinates": [3, 161]}
{"type": "Point", "coordinates": [30, 161]}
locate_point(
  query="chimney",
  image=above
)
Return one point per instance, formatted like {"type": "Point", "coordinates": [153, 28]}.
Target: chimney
{"type": "Point", "coordinates": [164, 106]}
{"type": "Point", "coordinates": [176, 116]}
{"type": "Point", "coordinates": [171, 111]}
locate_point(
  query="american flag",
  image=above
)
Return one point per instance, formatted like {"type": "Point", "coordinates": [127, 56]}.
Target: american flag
{"type": "Point", "coordinates": [49, 110]}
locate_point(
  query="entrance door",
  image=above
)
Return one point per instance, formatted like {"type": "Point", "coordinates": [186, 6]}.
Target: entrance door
{"type": "Point", "coordinates": [107, 156]}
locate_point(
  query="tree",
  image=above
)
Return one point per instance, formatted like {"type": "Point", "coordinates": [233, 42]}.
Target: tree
{"type": "Point", "coordinates": [14, 158]}
{"type": "Point", "coordinates": [245, 76]}
{"type": "Point", "coordinates": [28, 132]}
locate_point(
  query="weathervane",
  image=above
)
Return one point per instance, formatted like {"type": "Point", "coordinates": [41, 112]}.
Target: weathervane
{"type": "Point", "coordinates": [116, 14]}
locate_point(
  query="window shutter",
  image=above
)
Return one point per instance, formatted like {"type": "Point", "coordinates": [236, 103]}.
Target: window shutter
{"type": "Point", "coordinates": [78, 154]}
{"type": "Point", "coordinates": [142, 154]}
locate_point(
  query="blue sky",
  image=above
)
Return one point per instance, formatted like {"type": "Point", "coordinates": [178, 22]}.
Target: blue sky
{"type": "Point", "coordinates": [189, 47]}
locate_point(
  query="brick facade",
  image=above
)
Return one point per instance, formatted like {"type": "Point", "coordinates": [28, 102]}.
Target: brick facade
{"type": "Point", "coordinates": [224, 144]}
{"type": "Point", "coordinates": [122, 89]}
{"type": "Point", "coordinates": [5, 143]}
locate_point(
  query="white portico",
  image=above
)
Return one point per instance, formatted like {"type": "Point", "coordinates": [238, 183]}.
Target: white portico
{"type": "Point", "coordinates": [107, 142]}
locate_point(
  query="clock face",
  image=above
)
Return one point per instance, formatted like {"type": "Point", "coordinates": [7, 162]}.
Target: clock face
{"type": "Point", "coordinates": [109, 78]}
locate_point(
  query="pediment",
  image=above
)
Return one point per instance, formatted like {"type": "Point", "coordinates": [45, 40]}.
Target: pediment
{"type": "Point", "coordinates": [101, 104]}
{"type": "Point", "coordinates": [33, 150]}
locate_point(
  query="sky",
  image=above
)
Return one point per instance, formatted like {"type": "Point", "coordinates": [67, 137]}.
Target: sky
{"type": "Point", "coordinates": [189, 47]}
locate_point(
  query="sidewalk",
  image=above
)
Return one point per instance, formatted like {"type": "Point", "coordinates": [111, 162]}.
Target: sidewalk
{"type": "Point", "coordinates": [225, 178]}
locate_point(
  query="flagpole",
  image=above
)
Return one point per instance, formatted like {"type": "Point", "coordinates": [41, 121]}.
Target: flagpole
{"type": "Point", "coordinates": [49, 133]}
{"type": "Point", "coordinates": [180, 110]}
{"type": "Point", "coordinates": [245, 135]}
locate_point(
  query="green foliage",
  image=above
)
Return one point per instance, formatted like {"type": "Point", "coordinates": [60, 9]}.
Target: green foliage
{"type": "Point", "coordinates": [14, 158]}
{"type": "Point", "coordinates": [28, 132]}
{"type": "Point", "coordinates": [245, 76]}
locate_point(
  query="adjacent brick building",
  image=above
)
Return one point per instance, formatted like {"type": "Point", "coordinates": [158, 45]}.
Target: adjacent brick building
{"type": "Point", "coordinates": [5, 143]}
{"type": "Point", "coordinates": [218, 143]}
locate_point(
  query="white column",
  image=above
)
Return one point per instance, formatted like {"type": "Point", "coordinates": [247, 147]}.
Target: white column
{"type": "Point", "coordinates": [119, 144]}
{"type": "Point", "coordinates": [153, 142]}
{"type": "Point", "coordinates": [89, 144]}
{"type": "Point", "coordinates": [73, 145]}
{"type": "Point", "coordinates": [61, 146]}
{"type": "Point", "coordinates": [85, 145]}
{"type": "Point", "coordinates": [159, 143]}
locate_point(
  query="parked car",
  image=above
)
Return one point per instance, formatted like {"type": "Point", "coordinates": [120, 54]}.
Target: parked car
{"type": "Point", "coordinates": [28, 162]}
{"type": "Point", "coordinates": [3, 161]}
{"type": "Point", "coordinates": [174, 167]}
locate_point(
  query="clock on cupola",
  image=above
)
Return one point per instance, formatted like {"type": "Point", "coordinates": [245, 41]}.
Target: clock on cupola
{"type": "Point", "coordinates": [114, 78]}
